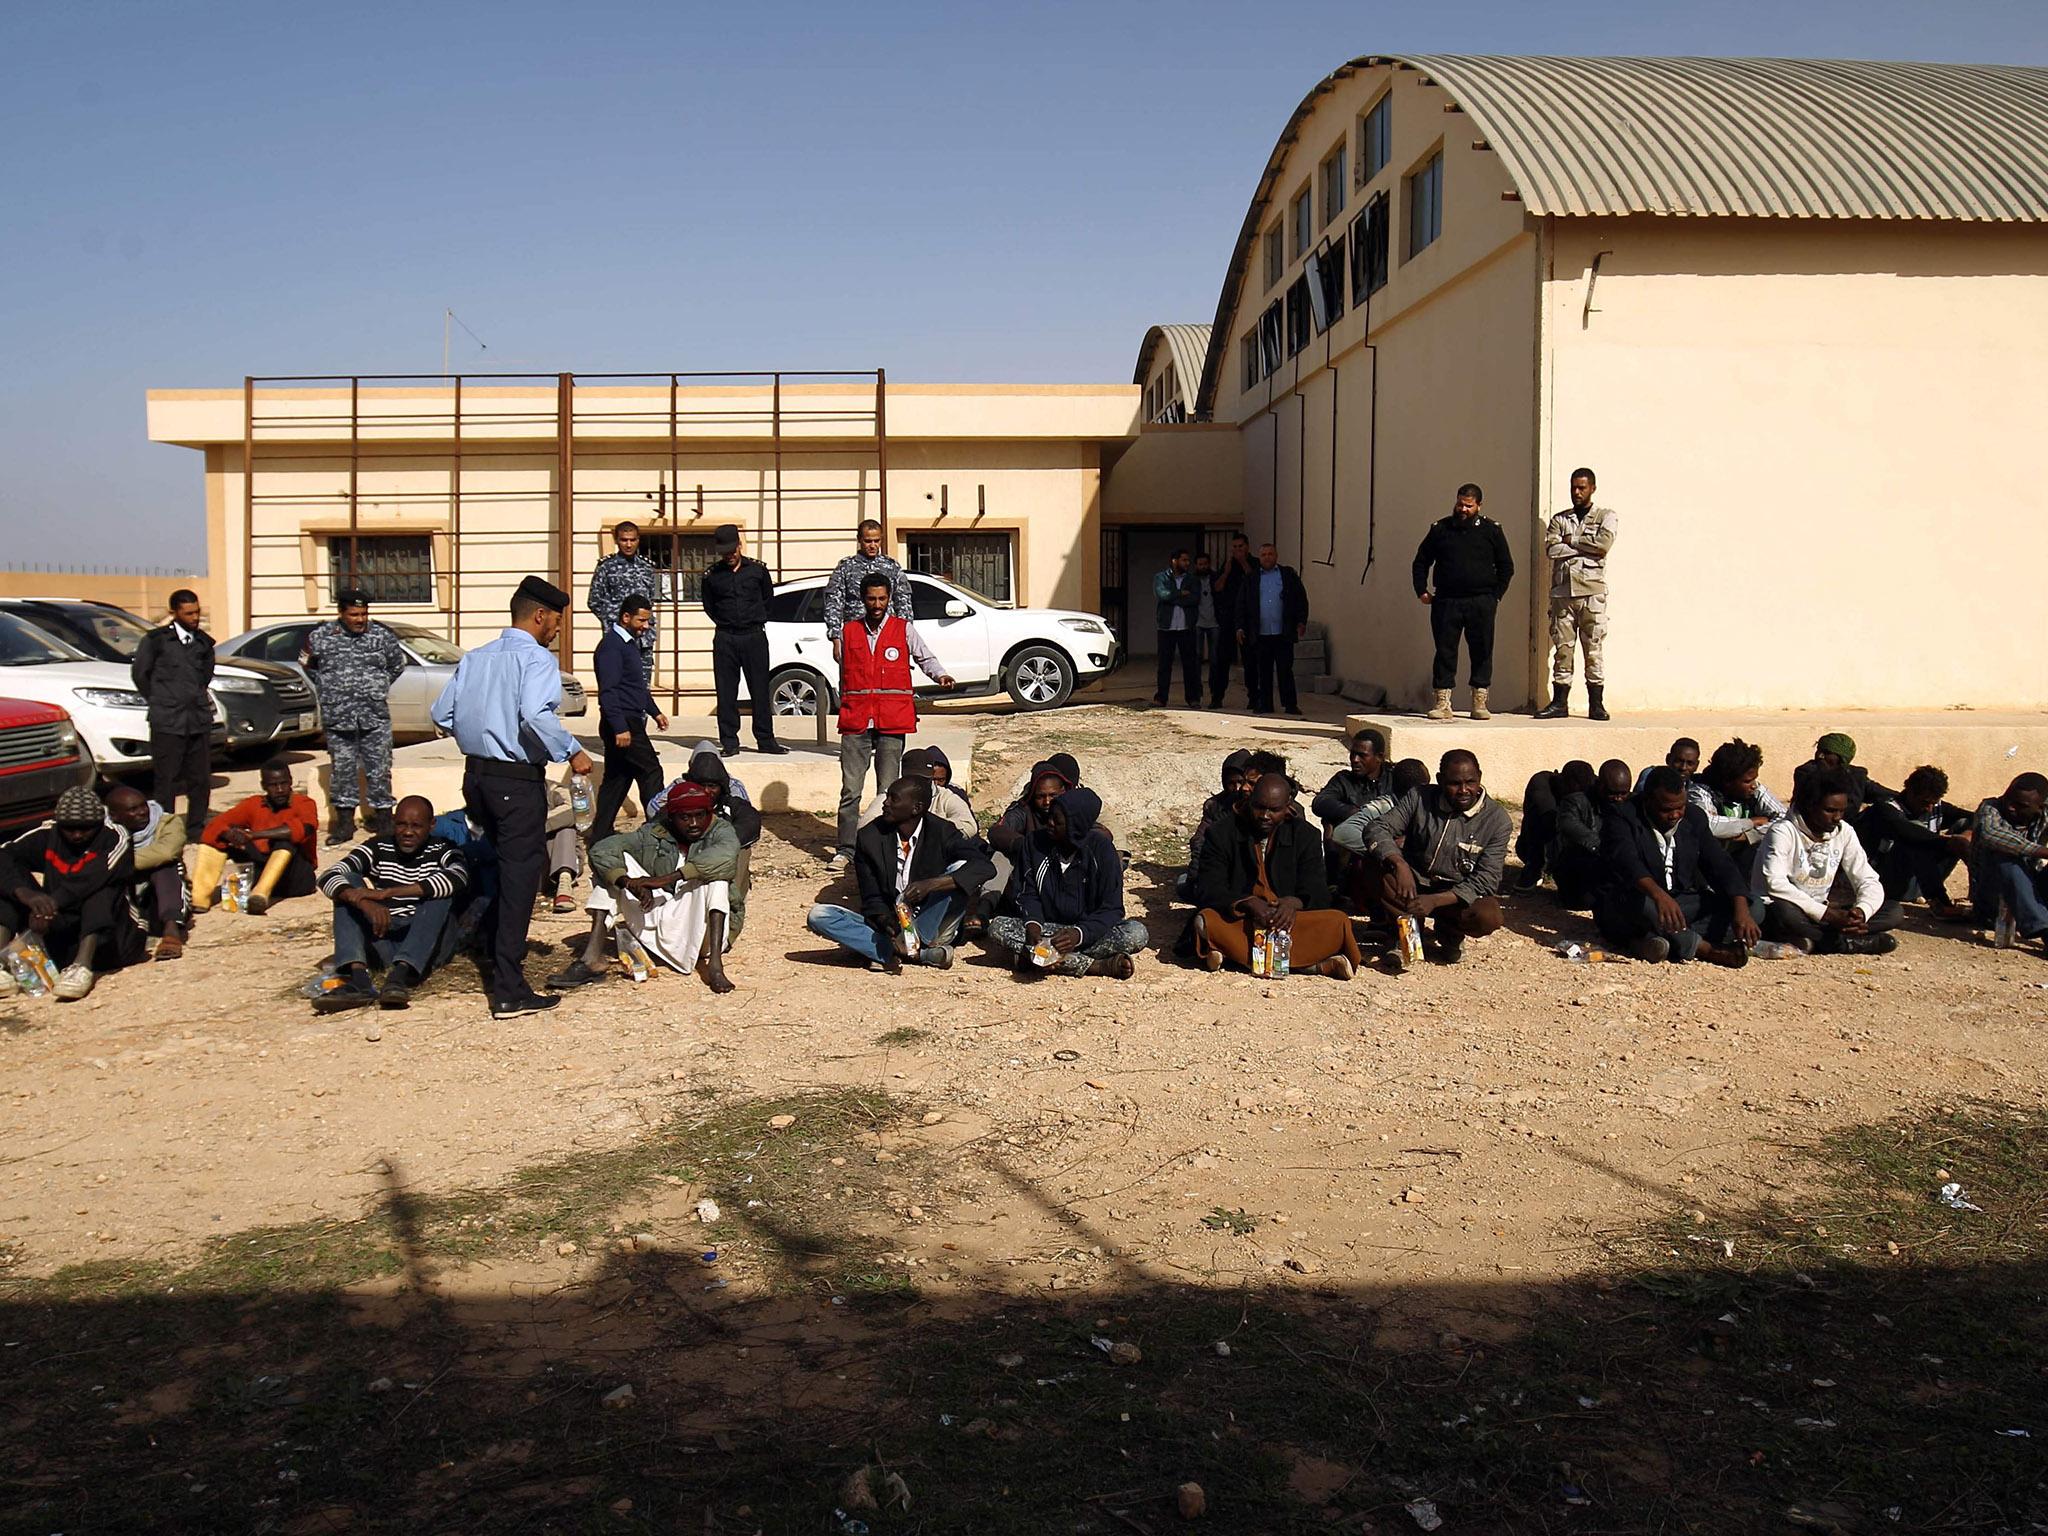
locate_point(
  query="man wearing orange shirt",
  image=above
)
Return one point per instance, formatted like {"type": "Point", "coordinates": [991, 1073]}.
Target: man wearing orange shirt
{"type": "Point", "coordinates": [275, 832]}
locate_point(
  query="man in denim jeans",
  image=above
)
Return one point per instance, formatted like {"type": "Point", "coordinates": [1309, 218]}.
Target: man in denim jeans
{"type": "Point", "coordinates": [2009, 858]}
{"type": "Point", "coordinates": [914, 859]}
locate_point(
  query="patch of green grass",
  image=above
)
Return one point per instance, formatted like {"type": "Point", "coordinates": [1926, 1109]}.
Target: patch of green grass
{"type": "Point", "coordinates": [1235, 1222]}
{"type": "Point", "coordinates": [903, 1034]}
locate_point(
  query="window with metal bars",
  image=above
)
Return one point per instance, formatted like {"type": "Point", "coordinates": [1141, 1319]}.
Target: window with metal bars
{"type": "Point", "coordinates": [390, 567]}
{"type": "Point", "coordinates": [980, 562]}
{"type": "Point", "coordinates": [682, 558]}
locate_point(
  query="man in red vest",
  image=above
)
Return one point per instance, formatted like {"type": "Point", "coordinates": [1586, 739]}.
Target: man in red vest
{"type": "Point", "coordinates": [876, 707]}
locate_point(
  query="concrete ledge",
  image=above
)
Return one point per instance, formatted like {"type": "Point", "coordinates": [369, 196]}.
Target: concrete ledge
{"type": "Point", "coordinates": [1973, 748]}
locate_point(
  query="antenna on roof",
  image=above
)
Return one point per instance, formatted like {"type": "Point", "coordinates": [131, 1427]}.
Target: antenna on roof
{"type": "Point", "coordinates": [448, 318]}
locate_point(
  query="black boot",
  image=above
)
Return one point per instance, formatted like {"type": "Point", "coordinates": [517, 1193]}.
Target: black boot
{"type": "Point", "coordinates": [382, 823]}
{"type": "Point", "coordinates": [1560, 704]}
{"type": "Point", "coordinates": [1596, 701]}
{"type": "Point", "coordinates": [341, 825]}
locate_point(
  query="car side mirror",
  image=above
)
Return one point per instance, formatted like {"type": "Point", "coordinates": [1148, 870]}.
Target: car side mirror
{"type": "Point", "coordinates": [955, 609]}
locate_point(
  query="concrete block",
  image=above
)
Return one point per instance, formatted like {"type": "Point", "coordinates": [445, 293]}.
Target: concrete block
{"type": "Point", "coordinates": [1324, 683]}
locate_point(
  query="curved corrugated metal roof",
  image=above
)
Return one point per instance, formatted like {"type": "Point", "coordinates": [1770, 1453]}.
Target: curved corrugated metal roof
{"type": "Point", "coordinates": [1187, 344]}
{"type": "Point", "coordinates": [1727, 138]}
{"type": "Point", "coordinates": [1761, 138]}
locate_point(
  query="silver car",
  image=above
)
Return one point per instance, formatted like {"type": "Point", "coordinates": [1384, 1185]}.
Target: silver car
{"type": "Point", "coordinates": [429, 663]}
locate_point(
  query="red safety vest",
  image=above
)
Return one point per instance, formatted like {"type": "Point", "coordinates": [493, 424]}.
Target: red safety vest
{"type": "Point", "coordinates": [874, 680]}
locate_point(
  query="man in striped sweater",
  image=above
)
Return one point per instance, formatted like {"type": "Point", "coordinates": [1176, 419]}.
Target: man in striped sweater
{"type": "Point", "coordinates": [393, 899]}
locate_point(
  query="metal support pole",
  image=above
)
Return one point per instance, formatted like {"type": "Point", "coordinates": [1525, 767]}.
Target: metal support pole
{"type": "Point", "coordinates": [882, 451]}
{"type": "Point", "coordinates": [565, 507]}
{"type": "Point", "coordinates": [355, 445]}
{"type": "Point", "coordinates": [455, 524]}
{"type": "Point", "coordinates": [777, 408]}
{"type": "Point", "coordinates": [248, 616]}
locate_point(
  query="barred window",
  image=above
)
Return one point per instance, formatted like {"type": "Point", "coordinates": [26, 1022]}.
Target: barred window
{"type": "Point", "coordinates": [390, 567]}
{"type": "Point", "coordinates": [980, 562]}
{"type": "Point", "coordinates": [682, 559]}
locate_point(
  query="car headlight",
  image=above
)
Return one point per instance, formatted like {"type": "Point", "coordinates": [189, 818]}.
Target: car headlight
{"type": "Point", "coordinates": [1085, 626]}
{"type": "Point", "coordinates": [112, 698]}
{"type": "Point", "coordinates": [237, 685]}
{"type": "Point", "coordinates": [67, 737]}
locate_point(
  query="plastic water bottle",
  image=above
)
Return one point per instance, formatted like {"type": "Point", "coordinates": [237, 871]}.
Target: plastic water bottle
{"type": "Point", "coordinates": [633, 954]}
{"type": "Point", "coordinates": [2005, 931]}
{"type": "Point", "coordinates": [1772, 949]}
{"type": "Point", "coordinates": [32, 968]}
{"type": "Point", "coordinates": [581, 806]}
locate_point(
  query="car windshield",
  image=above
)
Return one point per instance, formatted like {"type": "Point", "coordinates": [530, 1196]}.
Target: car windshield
{"type": "Point", "coordinates": [428, 646]}
{"type": "Point", "coordinates": [119, 630]}
{"type": "Point", "coordinates": [23, 645]}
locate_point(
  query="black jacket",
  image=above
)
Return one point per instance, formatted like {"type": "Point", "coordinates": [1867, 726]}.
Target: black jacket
{"type": "Point", "coordinates": [623, 700]}
{"type": "Point", "coordinates": [1471, 558]}
{"type": "Point", "coordinates": [1629, 850]}
{"type": "Point", "coordinates": [173, 675]}
{"type": "Point", "coordinates": [1294, 865]}
{"type": "Point", "coordinates": [41, 857]}
{"type": "Point", "coordinates": [738, 599]}
{"type": "Point", "coordinates": [940, 844]}
{"type": "Point", "coordinates": [1347, 791]}
{"type": "Point", "coordinates": [1293, 602]}
{"type": "Point", "coordinates": [1088, 894]}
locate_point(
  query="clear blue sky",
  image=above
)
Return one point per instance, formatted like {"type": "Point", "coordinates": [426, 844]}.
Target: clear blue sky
{"type": "Point", "coordinates": [953, 191]}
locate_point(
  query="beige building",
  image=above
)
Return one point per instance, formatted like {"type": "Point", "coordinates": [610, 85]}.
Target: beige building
{"type": "Point", "coordinates": [1794, 313]}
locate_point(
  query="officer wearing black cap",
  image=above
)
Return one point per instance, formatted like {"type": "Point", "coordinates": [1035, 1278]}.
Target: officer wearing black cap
{"type": "Point", "coordinates": [736, 593]}
{"type": "Point", "coordinates": [502, 709]}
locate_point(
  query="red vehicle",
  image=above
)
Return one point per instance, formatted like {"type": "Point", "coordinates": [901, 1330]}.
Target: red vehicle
{"type": "Point", "coordinates": [41, 756]}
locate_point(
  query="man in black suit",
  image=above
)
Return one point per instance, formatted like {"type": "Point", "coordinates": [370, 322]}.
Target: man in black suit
{"type": "Point", "coordinates": [624, 706]}
{"type": "Point", "coordinates": [1272, 613]}
{"type": "Point", "coordinates": [907, 860]}
{"type": "Point", "coordinates": [173, 671]}
{"type": "Point", "coordinates": [1671, 891]}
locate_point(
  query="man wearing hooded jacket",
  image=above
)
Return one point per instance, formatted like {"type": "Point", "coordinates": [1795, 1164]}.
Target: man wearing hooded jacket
{"type": "Point", "coordinates": [1069, 892]}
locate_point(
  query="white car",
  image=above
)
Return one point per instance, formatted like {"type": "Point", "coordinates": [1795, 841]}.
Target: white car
{"type": "Point", "coordinates": [99, 696]}
{"type": "Point", "coordinates": [1039, 656]}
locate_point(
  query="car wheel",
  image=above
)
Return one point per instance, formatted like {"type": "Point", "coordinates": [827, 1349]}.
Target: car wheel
{"type": "Point", "coordinates": [1039, 677]}
{"type": "Point", "coordinates": [798, 691]}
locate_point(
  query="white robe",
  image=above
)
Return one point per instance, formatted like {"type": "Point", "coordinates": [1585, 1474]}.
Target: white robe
{"type": "Point", "coordinates": [672, 924]}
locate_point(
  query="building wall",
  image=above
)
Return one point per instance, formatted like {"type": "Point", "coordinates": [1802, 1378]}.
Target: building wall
{"type": "Point", "coordinates": [1820, 437]}
{"type": "Point", "coordinates": [145, 596]}
{"type": "Point", "coordinates": [1451, 337]}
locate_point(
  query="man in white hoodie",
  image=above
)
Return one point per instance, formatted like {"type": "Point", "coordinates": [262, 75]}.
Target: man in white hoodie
{"type": "Point", "coordinates": [1824, 896]}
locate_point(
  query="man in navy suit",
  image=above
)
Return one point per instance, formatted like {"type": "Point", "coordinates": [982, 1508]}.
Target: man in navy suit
{"type": "Point", "coordinates": [624, 706]}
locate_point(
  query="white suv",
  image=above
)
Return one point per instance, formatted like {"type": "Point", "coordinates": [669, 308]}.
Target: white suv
{"type": "Point", "coordinates": [1038, 655]}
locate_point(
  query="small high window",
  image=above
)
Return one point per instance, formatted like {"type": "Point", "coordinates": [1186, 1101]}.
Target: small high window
{"type": "Point", "coordinates": [390, 567]}
{"type": "Point", "coordinates": [682, 559]}
{"type": "Point", "coordinates": [1336, 182]}
{"type": "Point", "coordinates": [980, 562]}
{"type": "Point", "coordinates": [1375, 138]}
{"type": "Point", "coordinates": [1301, 215]}
{"type": "Point", "coordinates": [1272, 340]}
{"type": "Point", "coordinates": [1276, 257]}
{"type": "Point", "coordinates": [1326, 284]}
{"type": "Point", "coordinates": [1248, 346]}
{"type": "Point", "coordinates": [1426, 204]}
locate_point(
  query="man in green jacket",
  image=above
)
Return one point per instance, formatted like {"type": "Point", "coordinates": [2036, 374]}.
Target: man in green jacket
{"type": "Point", "coordinates": [666, 888]}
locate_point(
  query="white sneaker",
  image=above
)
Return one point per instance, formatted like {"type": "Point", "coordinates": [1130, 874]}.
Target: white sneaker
{"type": "Point", "coordinates": [74, 983]}
{"type": "Point", "coordinates": [839, 863]}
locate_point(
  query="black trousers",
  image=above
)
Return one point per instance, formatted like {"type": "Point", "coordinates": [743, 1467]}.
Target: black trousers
{"type": "Point", "coordinates": [1220, 664]}
{"type": "Point", "coordinates": [510, 802]}
{"type": "Point", "coordinates": [1472, 617]}
{"type": "Point", "coordinates": [104, 913]}
{"type": "Point", "coordinates": [182, 765]}
{"type": "Point", "coordinates": [1784, 921]}
{"type": "Point", "coordinates": [1179, 647]}
{"type": "Point", "coordinates": [736, 653]}
{"type": "Point", "coordinates": [635, 766]}
{"type": "Point", "coordinates": [1539, 824]}
{"type": "Point", "coordinates": [1271, 655]}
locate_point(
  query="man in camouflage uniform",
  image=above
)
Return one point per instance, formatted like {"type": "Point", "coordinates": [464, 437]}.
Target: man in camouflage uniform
{"type": "Point", "coordinates": [623, 574]}
{"type": "Point", "coordinates": [353, 662]}
{"type": "Point", "coordinates": [1578, 541]}
{"type": "Point", "coordinates": [842, 591]}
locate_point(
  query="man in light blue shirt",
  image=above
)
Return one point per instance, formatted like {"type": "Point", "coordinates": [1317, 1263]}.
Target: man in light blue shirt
{"type": "Point", "coordinates": [501, 706]}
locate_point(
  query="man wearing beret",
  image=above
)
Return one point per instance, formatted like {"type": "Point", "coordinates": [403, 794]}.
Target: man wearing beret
{"type": "Point", "coordinates": [501, 707]}
{"type": "Point", "coordinates": [736, 593]}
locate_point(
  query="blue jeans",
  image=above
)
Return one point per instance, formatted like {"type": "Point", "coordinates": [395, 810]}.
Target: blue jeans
{"type": "Point", "coordinates": [423, 941]}
{"type": "Point", "coordinates": [1996, 879]}
{"type": "Point", "coordinates": [937, 921]}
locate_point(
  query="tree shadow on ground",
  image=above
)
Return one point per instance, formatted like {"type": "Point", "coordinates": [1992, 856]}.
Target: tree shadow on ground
{"type": "Point", "coordinates": [1869, 1367]}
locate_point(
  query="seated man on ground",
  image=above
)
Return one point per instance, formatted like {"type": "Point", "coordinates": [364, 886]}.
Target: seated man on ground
{"type": "Point", "coordinates": [1669, 890]}
{"type": "Point", "coordinates": [1262, 868]}
{"type": "Point", "coordinates": [1010, 834]}
{"type": "Point", "coordinates": [1442, 852]}
{"type": "Point", "coordinates": [159, 895]}
{"type": "Point", "coordinates": [1824, 897]}
{"type": "Point", "coordinates": [1915, 839]}
{"type": "Point", "coordinates": [942, 773]}
{"type": "Point", "coordinates": [1683, 758]}
{"type": "Point", "coordinates": [565, 851]}
{"type": "Point", "coordinates": [729, 800]}
{"type": "Point", "coordinates": [276, 833]}
{"type": "Point", "coordinates": [1740, 809]}
{"type": "Point", "coordinates": [480, 889]}
{"type": "Point", "coordinates": [946, 802]}
{"type": "Point", "coordinates": [1541, 796]}
{"type": "Point", "coordinates": [1575, 852]}
{"type": "Point", "coordinates": [915, 861]}
{"type": "Point", "coordinates": [1362, 872]}
{"type": "Point", "coordinates": [1370, 777]}
{"type": "Point", "coordinates": [394, 910]}
{"type": "Point", "coordinates": [1237, 779]}
{"type": "Point", "coordinates": [1837, 750]}
{"type": "Point", "coordinates": [65, 885]}
{"type": "Point", "coordinates": [1069, 892]}
{"type": "Point", "coordinates": [2009, 858]}
{"type": "Point", "coordinates": [667, 884]}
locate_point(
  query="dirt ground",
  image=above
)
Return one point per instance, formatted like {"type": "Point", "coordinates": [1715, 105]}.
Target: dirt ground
{"type": "Point", "coordinates": [1453, 1123]}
